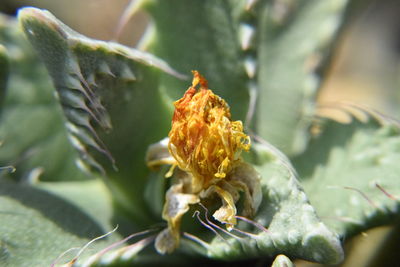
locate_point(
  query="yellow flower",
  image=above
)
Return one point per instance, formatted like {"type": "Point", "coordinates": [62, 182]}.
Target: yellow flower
{"type": "Point", "coordinates": [205, 145]}
{"type": "Point", "coordinates": [203, 139]}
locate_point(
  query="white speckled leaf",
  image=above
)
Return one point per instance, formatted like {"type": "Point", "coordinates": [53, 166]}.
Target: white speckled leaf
{"type": "Point", "coordinates": [263, 57]}
{"type": "Point", "coordinates": [295, 37]}
{"type": "Point", "coordinates": [343, 169]}
{"type": "Point", "coordinates": [108, 93]}
{"type": "Point", "coordinates": [29, 106]}
{"type": "Point", "coordinates": [282, 261]}
{"type": "Point", "coordinates": [38, 226]}
{"type": "Point", "coordinates": [204, 36]}
{"type": "Point", "coordinates": [293, 226]}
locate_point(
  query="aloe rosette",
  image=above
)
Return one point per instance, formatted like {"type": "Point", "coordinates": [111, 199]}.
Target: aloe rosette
{"type": "Point", "coordinates": [231, 195]}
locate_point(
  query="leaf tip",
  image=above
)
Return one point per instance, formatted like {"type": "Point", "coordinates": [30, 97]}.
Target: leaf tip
{"type": "Point", "coordinates": [35, 21]}
{"type": "Point", "coordinates": [324, 246]}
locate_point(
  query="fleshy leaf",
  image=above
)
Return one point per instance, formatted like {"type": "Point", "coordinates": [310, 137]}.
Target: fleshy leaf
{"type": "Point", "coordinates": [294, 37]}
{"type": "Point", "coordinates": [293, 227]}
{"type": "Point", "coordinates": [242, 48]}
{"type": "Point", "coordinates": [31, 131]}
{"type": "Point", "coordinates": [207, 41]}
{"type": "Point", "coordinates": [109, 96]}
{"type": "Point", "coordinates": [132, 255]}
{"type": "Point", "coordinates": [289, 81]}
{"type": "Point", "coordinates": [4, 72]}
{"type": "Point", "coordinates": [126, 256]}
{"type": "Point", "coordinates": [351, 174]}
{"type": "Point", "coordinates": [282, 261]}
{"type": "Point", "coordinates": [90, 196]}
{"type": "Point", "coordinates": [82, 211]}
{"type": "Point", "coordinates": [47, 224]}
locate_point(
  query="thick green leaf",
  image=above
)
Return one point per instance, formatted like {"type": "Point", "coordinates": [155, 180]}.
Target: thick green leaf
{"type": "Point", "coordinates": [37, 226]}
{"type": "Point", "coordinates": [31, 130]}
{"type": "Point", "coordinates": [261, 56]}
{"type": "Point", "coordinates": [94, 199]}
{"type": "Point", "coordinates": [293, 227]}
{"type": "Point", "coordinates": [109, 96]}
{"type": "Point", "coordinates": [282, 261]}
{"type": "Point", "coordinates": [294, 37]}
{"type": "Point", "coordinates": [203, 36]}
{"type": "Point", "coordinates": [343, 170]}
{"type": "Point", "coordinates": [90, 196]}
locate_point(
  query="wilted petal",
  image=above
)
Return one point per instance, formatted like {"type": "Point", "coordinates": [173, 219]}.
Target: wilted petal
{"type": "Point", "coordinates": [176, 205]}
{"type": "Point", "coordinates": [158, 154]}
{"type": "Point", "coordinates": [249, 180]}
{"type": "Point", "coordinates": [166, 242]}
{"type": "Point", "coordinates": [226, 213]}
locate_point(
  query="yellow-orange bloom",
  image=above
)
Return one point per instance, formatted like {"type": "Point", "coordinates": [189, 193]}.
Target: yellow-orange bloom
{"type": "Point", "coordinates": [203, 139]}
{"type": "Point", "coordinates": [205, 144]}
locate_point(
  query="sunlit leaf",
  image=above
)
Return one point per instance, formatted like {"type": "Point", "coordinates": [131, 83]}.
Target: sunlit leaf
{"type": "Point", "coordinates": [31, 129]}
{"type": "Point", "coordinates": [291, 224]}
{"type": "Point", "coordinates": [48, 225]}
{"type": "Point", "coordinates": [203, 36]}
{"type": "Point", "coordinates": [295, 38]}
{"type": "Point", "coordinates": [109, 96]}
{"type": "Point", "coordinates": [351, 174]}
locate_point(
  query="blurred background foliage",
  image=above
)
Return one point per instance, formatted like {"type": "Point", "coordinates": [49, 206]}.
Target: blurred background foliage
{"type": "Point", "coordinates": [365, 71]}
{"type": "Point", "coordinates": [365, 68]}
{"type": "Point", "coordinates": [97, 19]}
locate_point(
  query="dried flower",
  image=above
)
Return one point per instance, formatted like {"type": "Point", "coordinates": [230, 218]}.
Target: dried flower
{"type": "Point", "coordinates": [205, 145]}
{"type": "Point", "coordinates": [203, 139]}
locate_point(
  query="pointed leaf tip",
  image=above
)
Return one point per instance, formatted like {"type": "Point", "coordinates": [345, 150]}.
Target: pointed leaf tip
{"type": "Point", "coordinates": [99, 86]}
{"type": "Point", "coordinates": [31, 16]}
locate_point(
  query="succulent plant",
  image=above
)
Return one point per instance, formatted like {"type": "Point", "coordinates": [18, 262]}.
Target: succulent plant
{"type": "Point", "coordinates": [86, 132]}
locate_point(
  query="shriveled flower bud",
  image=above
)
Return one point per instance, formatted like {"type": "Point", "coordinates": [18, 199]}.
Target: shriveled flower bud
{"type": "Point", "coordinates": [205, 145]}
{"type": "Point", "coordinates": [203, 139]}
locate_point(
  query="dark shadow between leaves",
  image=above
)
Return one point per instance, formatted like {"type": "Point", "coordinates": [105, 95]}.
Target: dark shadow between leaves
{"type": "Point", "coordinates": [66, 215]}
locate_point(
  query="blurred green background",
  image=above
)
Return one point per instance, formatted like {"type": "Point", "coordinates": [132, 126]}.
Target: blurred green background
{"type": "Point", "coordinates": [366, 63]}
